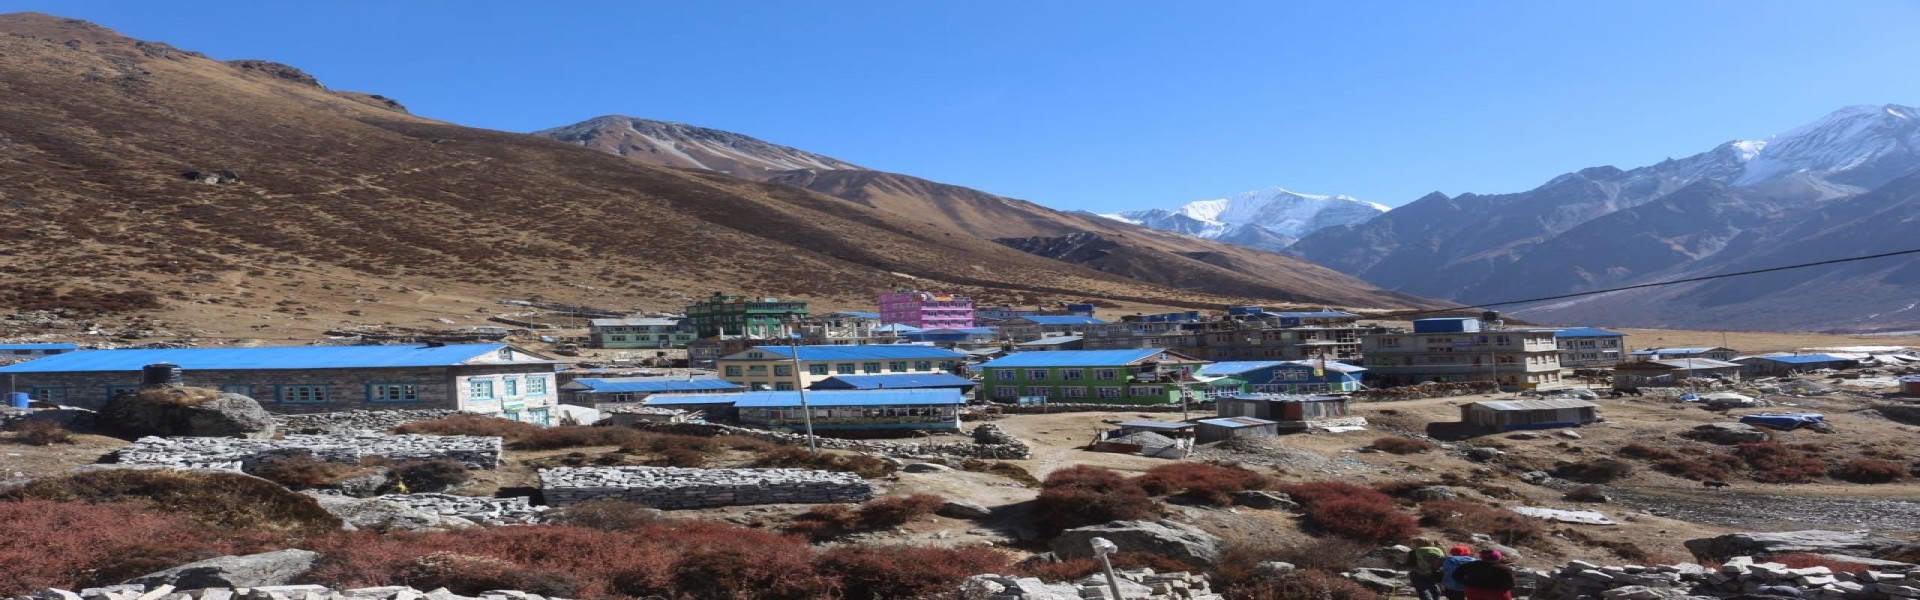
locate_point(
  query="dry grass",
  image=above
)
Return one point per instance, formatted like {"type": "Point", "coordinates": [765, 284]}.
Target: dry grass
{"type": "Point", "coordinates": [224, 500]}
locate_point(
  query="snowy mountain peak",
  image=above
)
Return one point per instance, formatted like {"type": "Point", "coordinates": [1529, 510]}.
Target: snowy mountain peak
{"type": "Point", "coordinates": [1269, 218]}
{"type": "Point", "coordinates": [1856, 145]}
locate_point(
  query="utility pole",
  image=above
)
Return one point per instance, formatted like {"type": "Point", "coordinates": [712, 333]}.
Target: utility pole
{"type": "Point", "coordinates": [800, 386]}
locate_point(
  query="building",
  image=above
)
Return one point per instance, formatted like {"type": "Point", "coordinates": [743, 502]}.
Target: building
{"type": "Point", "coordinates": [705, 353]}
{"type": "Point", "coordinates": [772, 367]}
{"type": "Point", "coordinates": [896, 381]}
{"type": "Point", "coordinates": [926, 310]}
{"type": "Point", "coordinates": [1026, 329]}
{"type": "Point", "coordinates": [845, 328]}
{"type": "Point", "coordinates": [1051, 343]}
{"type": "Point", "coordinates": [1457, 350]}
{"type": "Point", "coordinates": [721, 315]}
{"type": "Point", "coordinates": [1286, 407]}
{"type": "Point", "coordinates": [1289, 376]}
{"type": "Point", "coordinates": [640, 332]}
{"type": "Point", "coordinates": [1715, 353]}
{"type": "Point", "coordinates": [1668, 372]}
{"type": "Point", "coordinates": [1589, 348]}
{"type": "Point", "coordinates": [1510, 415]}
{"type": "Point", "coordinates": [1227, 428]}
{"type": "Point", "coordinates": [969, 338]}
{"type": "Point", "coordinates": [495, 379]}
{"type": "Point", "coordinates": [590, 391]}
{"type": "Point", "coordinates": [1246, 333]}
{"type": "Point", "coordinates": [1772, 366]}
{"type": "Point", "coordinates": [833, 410]}
{"type": "Point", "coordinates": [1097, 376]}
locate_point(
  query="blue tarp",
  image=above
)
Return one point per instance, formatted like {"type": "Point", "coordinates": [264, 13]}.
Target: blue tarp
{"type": "Point", "coordinates": [1784, 421]}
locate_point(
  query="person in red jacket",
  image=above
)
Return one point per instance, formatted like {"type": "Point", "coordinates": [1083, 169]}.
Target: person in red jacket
{"type": "Point", "coordinates": [1488, 578]}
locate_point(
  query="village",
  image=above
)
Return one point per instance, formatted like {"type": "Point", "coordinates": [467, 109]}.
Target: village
{"type": "Point", "coordinates": [1565, 448]}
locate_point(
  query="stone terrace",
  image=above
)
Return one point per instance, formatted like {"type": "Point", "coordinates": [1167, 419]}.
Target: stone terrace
{"type": "Point", "coordinates": [232, 454]}
{"type": "Point", "coordinates": [673, 487]}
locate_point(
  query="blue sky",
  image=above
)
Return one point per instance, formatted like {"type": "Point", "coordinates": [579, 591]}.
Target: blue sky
{"type": "Point", "coordinates": [1109, 105]}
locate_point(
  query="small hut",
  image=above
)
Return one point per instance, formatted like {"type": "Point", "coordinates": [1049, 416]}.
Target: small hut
{"type": "Point", "coordinates": [1510, 415]}
{"type": "Point", "coordinates": [1910, 385]}
{"type": "Point", "coordinates": [1227, 428]}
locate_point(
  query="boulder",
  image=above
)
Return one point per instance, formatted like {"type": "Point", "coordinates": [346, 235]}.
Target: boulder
{"type": "Point", "coordinates": [1726, 433]}
{"type": "Point", "coordinates": [253, 570]}
{"type": "Point", "coordinates": [1385, 557]}
{"type": "Point", "coordinates": [185, 412]}
{"type": "Point", "coordinates": [381, 515]}
{"type": "Point", "coordinates": [1166, 538]}
{"type": "Point", "coordinates": [1849, 543]}
{"type": "Point", "coordinates": [961, 509]}
{"type": "Point", "coordinates": [927, 468]}
{"type": "Point", "coordinates": [1385, 581]}
{"type": "Point", "coordinates": [1265, 500]}
{"type": "Point", "coordinates": [1434, 492]}
{"type": "Point", "coordinates": [1485, 542]}
{"type": "Point", "coordinates": [1641, 592]}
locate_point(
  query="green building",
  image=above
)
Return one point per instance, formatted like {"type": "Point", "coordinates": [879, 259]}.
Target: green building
{"type": "Point", "coordinates": [1139, 376]}
{"type": "Point", "coordinates": [742, 316]}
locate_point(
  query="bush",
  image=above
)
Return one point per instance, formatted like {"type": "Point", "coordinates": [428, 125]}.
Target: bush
{"type": "Point", "coordinates": [41, 433]}
{"type": "Point", "coordinates": [788, 457]}
{"type": "Point", "coordinates": [554, 438]}
{"type": "Point", "coordinates": [71, 546]}
{"type": "Point", "coordinates": [1870, 470]}
{"type": "Point", "coordinates": [301, 470]}
{"type": "Point", "coordinates": [1643, 452]}
{"type": "Point", "coordinates": [1083, 495]}
{"type": "Point", "coordinates": [682, 457]}
{"type": "Point", "coordinates": [663, 442]}
{"type": "Point", "coordinates": [435, 475]}
{"type": "Point", "coordinates": [906, 571]}
{"type": "Point", "coordinates": [472, 575]}
{"type": "Point", "coordinates": [1774, 462]}
{"type": "Point", "coordinates": [1712, 467]}
{"type": "Point", "coordinates": [1312, 584]}
{"type": "Point", "coordinates": [1204, 482]}
{"type": "Point", "coordinates": [894, 511]}
{"type": "Point", "coordinates": [1352, 511]}
{"type": "Point", "coordinates": [1464, 518]}
{"type": "Point", "coordinates": [1601, 470]}
{"type": "Point", "coordinates": [1587, 493]}
{"type": "Point", "coordinates": [605, 515]}
{"type": "Point", "coordinates": [227, 501]}
{"type": "Point", "coordinates": [1321, 491]}
{"type": "Point", "coordinates": [1396, 444]}
{"type": "Point", "coordinates": [1003, 469]}
{"type": "Point", "coordinates": [471, 424]}
{"type": "Point", "coordinates": [1240, 559]}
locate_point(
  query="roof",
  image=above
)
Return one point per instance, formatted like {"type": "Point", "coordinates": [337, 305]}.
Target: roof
{"type": "Point", "coordinates": [1057, 340]}
{"type": "Point", "coordinates": [1804, 359]}
{"type": "Point", "coordinates": [1154, 425]}
{"type": "Point", "coordinates": [269, 357]}
{"type": "Point", "coordinates": [1080, 358]}
{"type": "Point", "coordinates": [1289, 398]}
{"type": "Point", "coordinates": [854, 352]}
{"type": "Point", "coordinates": [893, 381]}
{"type": "Point", "coordinates": [1063, 320]}
{"type": "Point", "coordinates": [1313, 314]}
{"type": "Point", "coordinates": [1580, 332]}
{"type": "Point", "coordinates": [1554, 404]}
{"type": "Point", "coordinates": [961, 331]}
{"type": "Point", "coordinates": [1236, 367]}
{"type": "Point", "coordinates": [857, 314]}
{"type": "Point", "coordinates": [1331, 365]}
{"type": "Point", "coordinates": [1237, 422]}
{"type": "Point", "coordinates": [53, 346]}
{"type": "Point", "coordinates": [897, 328]}
{"type": "Point", "coordinates": [651, 385]}
{"type": "Point", "coordinates": [635, 321]}
{"type": "Point", "coordinates": [1689, 363]}
{"type": "Point", "coordinates": [940, 396]}
{"type": "Point", "coordinates": [1675, 351]}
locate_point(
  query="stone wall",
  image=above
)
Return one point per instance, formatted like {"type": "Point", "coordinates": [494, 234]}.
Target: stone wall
{"type": "Point", "coordinates": [231, 454]}
{"type": "Point", "coordinates": [673, 487]}
{"type": "Point", "coordinates": [356, 421]}
{"type": "Point", "coordinates": [516, 510]}
{"type": "Point", "coordinates": [1738, 575]}
{"type": "Point", "coordinates": [267, 592]}
{"type": "Point", "coordinates": [989, 442]}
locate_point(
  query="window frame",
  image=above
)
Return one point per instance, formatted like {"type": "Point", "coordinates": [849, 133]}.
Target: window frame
{"type": "Point", "coordinates": [282, 393]}
{"type": "Point", "coordinates": [375, 392]}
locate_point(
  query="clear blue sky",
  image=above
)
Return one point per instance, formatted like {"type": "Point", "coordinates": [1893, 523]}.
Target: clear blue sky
{"type": "Point", "coordinates": [1108, 105]}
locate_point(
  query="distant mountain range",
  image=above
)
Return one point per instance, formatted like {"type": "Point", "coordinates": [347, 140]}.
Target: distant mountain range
{"type": "Point", "coordinates": [1843, 185]}
{"type": "Point", "coordinates": [1269, 219]}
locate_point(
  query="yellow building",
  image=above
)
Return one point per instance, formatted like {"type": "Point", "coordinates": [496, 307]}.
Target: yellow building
{"type": "Point", "coordinates": [772, 367]}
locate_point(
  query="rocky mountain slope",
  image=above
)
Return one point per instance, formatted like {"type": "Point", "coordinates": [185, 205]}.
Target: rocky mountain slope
{"type": "Point", "coordinates": [246, 197]}
{"type": "Point", "coordinates": [1604, 227]}
{"type": "Point", "coordinates": [1269, 219]}
{"type": "Point", "coordinates": [1109, 246]}
{"type": "Point", "coordinates": [680, 145]}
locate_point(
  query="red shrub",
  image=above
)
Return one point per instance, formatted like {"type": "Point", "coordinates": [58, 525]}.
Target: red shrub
{"type": "Point", "coordinates": [1601, 470]}
{"type": "Point", "coordinates": [894, 511]}
{"type": "Point", "coordinates": [1321, 491]}
{"type": "Point", "coordinates": [906, 571]}
{"type": "Point", "coordinates": [1363, 519]}
{"type": "Point", "coordinates": [72, 545]}
{"type": "Point", "coordinates": [1804, 561]}
{"type": "Point", "coordinates": [1465, 518]}
{"type": "Point", "coordinates": [1643, 452]}
{"type": "Point", "coordinates": [1053, 571]}
{"type": "Point", "coordinates": [1871, 470]}
{"type": "Point", "coordinates": [554, 438]}
{"type": "Point", "coordinates": [41, 433]}
{"type": "Point", "coordinates": [1714, 467]}
{"type": "Point", "coordinates": [1082, 495]}
{"type": "Point", "coordinates": [470, 424]}
{"type": "Point", "coordinates": [1312, 583]}
{"type": "Point", "coordinates": [1774, 462]}
{"type": "Point", "coordinates": [1396, 444]}
{"type": "Point", "coordinates": [682, 457]}
{"type": "Point", "coordinates": [1204, 482]}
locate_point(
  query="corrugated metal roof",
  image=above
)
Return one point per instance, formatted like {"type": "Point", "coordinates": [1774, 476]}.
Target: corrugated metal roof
{"type": "Point", "coordinates": [1673, 351]}
{"type": "Point", "coordinates": [1331, 365]}
{"type": "Point", "coordinates": [855, 352]}
{"type": "Point", "coordinates": [1554, 404]}
{"type": "Point", "coordinates": [821, 398]}
{"type": "Point", "coordinates": [1579, 332]}
{"type": "Point", "coordinates": [635, 322]}
{"type": "Point", "coordinates": [54, 346]}
{"type": "Point", "coordinates": [1236, 367]}
{"type": "Point", "coordinates": [1064, 320]}
{"type": "Point", "coordinates": [1803, 359]}
{"type": "Point", "coordinates": [1077, 358]}
{"type": "Point", "coordinates": [1154, 425]}
{"type": "Point", "coordinates": [271, 357]}
{"type": "Point", "coordinates": [1052, 341]}
{"type": "Point", "coordinates": [1315, 314]}
{"type": "Point", "coordinates": [897, 328]}
{"type": "Point", "coordinates": [651, 385]}
{"type": "Point", "coordinates": [894, 381]}
{"type": "Point", "coordinates": [1237, 422]}
{"type": "Point", "coordinates": [1693, 363]}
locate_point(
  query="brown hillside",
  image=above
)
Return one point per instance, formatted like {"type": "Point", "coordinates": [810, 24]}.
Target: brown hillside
{"type": "Point", "coordinates": [345, 202]}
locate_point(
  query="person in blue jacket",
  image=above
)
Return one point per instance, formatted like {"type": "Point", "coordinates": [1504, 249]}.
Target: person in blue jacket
{"type": "Point", "coordinates": [1450, 587]}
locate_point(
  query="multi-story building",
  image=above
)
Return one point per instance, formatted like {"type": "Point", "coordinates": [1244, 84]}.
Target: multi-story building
{"type": "Point", "coordinates": [1251, 334]}
{"type": "Point", "coordinates": [845, 328]}
{"type": "Point", "coordinates": [1589, 348]}
{"type": "Point", "coordinates": [1459, 349]}
{"type": "Point", "coordinates": [926, 310]}
{"type": "Point", "coordinates": [640, 332]}
{"type": "Point", "coordinates": [772, 367]}
{"type": "Point", "coordinates": [1027, 329]}
{"type": "Point", "coordinates": [1149, 376]}
{"type": "Point", "coordinates": [1283, 377]}
{"type": "Point", "coordinates": [721, 315]}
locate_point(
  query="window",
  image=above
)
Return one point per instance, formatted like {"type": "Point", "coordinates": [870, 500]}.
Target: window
{"type": "Point", "coordinates": [1004, 374]}
{"type": "Point", "coordinates": [513, 387]}
{"type": "Point", "coordinates": [57, 395]}
{"type": "Point", "coordinates": [756, 370]}
{"type": "Point", "coordinates": [311, 394]}
{"type": "Point", "coordinates": [536, 386]}
{"type": "Point", "coordinates": [843, 368]}
{"type": "Point", "coordinates": [783, 387]}
{"type": "Point", "coordinates": [617, 338]}
{"type": "Point", "coordinates": [1038, 390]}
{"type": "Point", "coordinates": [1389, 342]}
{"type": "Point", "coordinates": [1109, 392]}
{"type": "Point", "coordinates": [816, 369]}
{"type": "Point", "coordinates": [1037, 374]}
{"type": "Point", "coordinates": [393, 392]}
{"type": "Point", "coordinates": [115, 390]}
{"type": "Point", "coordinates": [1106, 374]}
{"type": "Point", "coordinates": [1072, 374]}
{"type": "Point", "coordinates": [733, 370]}
{"type": "Point", "coordinates": [1006, 391]}
{"type": "Point", "coordinates": [480, 389]}
{"type": "Point", "coordinates": [783, 370]}
{"type": "Point", "coordinates": [923, 365]}
{"type": "Point", "coordinates": [1074, 392]}
{"type": "Point", "coordinates": [238, 388]}
{"type": "Point", "coordinates": [1145, 391]}
{"type": "Point", "coordinates": [898, 366]}
{"type": "Point", "coordinates": [872, 367]}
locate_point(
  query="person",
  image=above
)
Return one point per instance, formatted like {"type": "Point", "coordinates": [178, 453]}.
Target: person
{"type": "Point", "coordinates": [1423, 568]}
{"type": "Point", "coordinates": [1450, 587]}
{"type": "Point", "coordinates": [1488, 578]}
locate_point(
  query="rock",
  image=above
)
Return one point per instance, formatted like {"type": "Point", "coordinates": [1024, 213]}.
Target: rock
{"type": "Point", "coordinates": [1524, 436]}
{"type": "Point", "coordinates": [927, 468]}
{"type": "Point", "coordinates": [1568, 433]}
{"type": "Point", "coordinates": [1095, 586]}
{"type": "Point", "coordinates": [1385, 581]}
{"type": "Point", "coordinates": [1849, 543]}
{"type": "Point", "coordinates": [1641, 592]}
{"type": "Point", "coordinates": [252, 570]}
{"type": "Point", "coordinates": [1273, 568]}
{"type": "Point", "coordinates": [185, 412]}
{"type": "Point", "coordinates": [1726, 433]}
{"type": "Point", "coordinates": [1385, 557]}
{"type": "Point", "coordinates": [961, 509]}
{"type": "Point", "coordinates": [1483, 453]}
{"type": "Point", "coordinates": [1265, 500]}
{"type": "Point", "coordinates": [1435, 492]}
{"type": "Point", "coordinates": [1536, 477]}
{"type": "Point", "coordinates": [382, 515]}
{"type": "Point", "coordinates": [364, 485]}
{"type": "Point", "coordinates": [1485, 542]}
{"type": "Point", "coordinates": [76, 419]}
{"type": "Point", "coordinates": [1166, 538]}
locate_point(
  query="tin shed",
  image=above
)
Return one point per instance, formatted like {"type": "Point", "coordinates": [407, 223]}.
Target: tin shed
{"type": "Point", "coordinates": [1509, 415]}
{"type": "Point", "coordinates": [1214, 430]}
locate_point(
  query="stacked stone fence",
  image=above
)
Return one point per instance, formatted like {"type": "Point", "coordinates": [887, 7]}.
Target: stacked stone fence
{"type": "Point", "coordinates": [1738, 575]}
{"type": "Point", "coordinates": [356, 421]}
{"type": "Point", "coordinates": [989, 441]}
{"type": "Point", "coordinates": [675, 488]}
{"type": "Point", "coordinates": [516, 510]}
{"type": "Point", "coordinates": [137, 591]}
{"type": "Point", "coordinates": [232, 454]}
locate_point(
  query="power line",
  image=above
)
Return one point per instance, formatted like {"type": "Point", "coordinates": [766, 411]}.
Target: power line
{"type": "Point", "coordinates": [1648, 285]}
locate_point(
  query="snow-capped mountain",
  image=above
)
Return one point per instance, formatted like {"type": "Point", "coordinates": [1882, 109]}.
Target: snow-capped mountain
{"type": "Point", "coordinates": [1854, 149]}
{"type": "Point", "coordinates": [1268, 219]}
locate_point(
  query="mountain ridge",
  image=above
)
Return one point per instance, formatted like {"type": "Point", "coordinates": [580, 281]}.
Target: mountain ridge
{"type": "Point", "coordinates": [1269, 219]}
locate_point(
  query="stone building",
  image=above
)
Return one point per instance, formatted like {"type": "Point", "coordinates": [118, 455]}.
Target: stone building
{"type": "Point", "coordinates": [772, 367]}
{"type": "Point", "coordinates": [495, 379]}
{"type": "Point", "coordinates": [1460, 349]}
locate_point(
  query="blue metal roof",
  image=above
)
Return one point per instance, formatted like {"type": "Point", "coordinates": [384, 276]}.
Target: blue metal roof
{"type": "Point", "coordinates": [896, 381]}
{"type": "Point", "coordinates": [1316, 314]}
{"type": "Point", "coordinates": [651, 385]}
{"type": "Point", "coordinates": [855, 314]}
{"type": "Point", "coordinates": [1077, 358]}
{"type": "Point", "coordinates": [1804, 359]}
{"type": "Point", "coordinates": [1236, 367]}
{"type": "Point", "coordinates": [963, 331]}
{"type": "Point", "coordinates": [1237, 422]}
{"type": "Point", "coordinates": [896, 328]}
{"type": "Point", "coordinates": [39, 346]}
{"type": "Point", "coordinates": [1052, 341]}
{"type": "Point", "coordinates": [271, 357]}
{"type": "Point", "coordinates": [1672, 351]}
{"type": "Point", "coordinates": [1580, 332]}
{"type": "Point", "coordinates": [823, 398]}
{"type": "Point", "coordinates": [859, 352]}
{"type": "Point", "coordinates": [1064, 320]}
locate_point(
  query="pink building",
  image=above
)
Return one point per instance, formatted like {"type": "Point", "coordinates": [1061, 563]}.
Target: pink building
{"type": "Point", "coordinates": [926, 310]}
